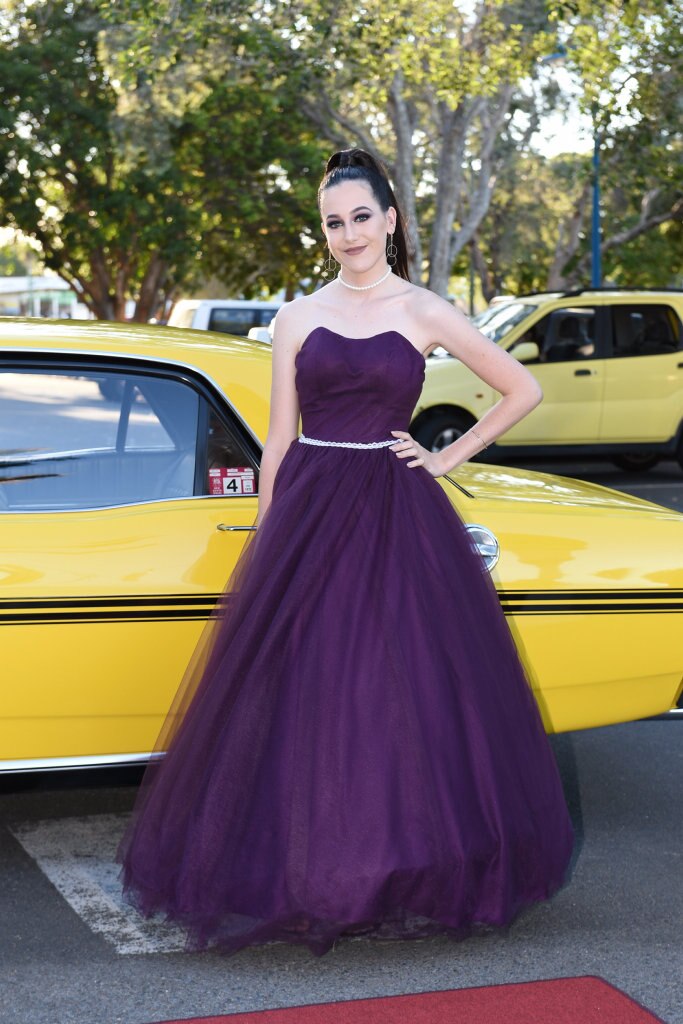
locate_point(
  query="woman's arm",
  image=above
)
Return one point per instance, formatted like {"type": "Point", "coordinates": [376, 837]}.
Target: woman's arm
{"type": "Point", "coordinates": [283, 426]}
{"type": "Point", "coordinates": [520, 391]}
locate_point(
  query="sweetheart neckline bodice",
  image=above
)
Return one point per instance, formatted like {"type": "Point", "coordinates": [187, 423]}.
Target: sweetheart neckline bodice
{"type": "Point", "coordinates": [368, 338]}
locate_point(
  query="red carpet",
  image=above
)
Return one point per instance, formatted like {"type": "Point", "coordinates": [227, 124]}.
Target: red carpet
{"type": "Point", "coordinates": [562, 1001]}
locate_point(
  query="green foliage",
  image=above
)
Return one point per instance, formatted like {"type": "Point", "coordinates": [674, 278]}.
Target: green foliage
{"type": "Point", "coordinates": [258, 186]}
{"type": "Point", "coordinates": [111, 225]}
{"type": "Point", "coordinates": [629, 65]}
{"type": "Point", "coordinates": [653, 260]}
{"type": "Point", "coordinates": [140, 169]}
{"type": "Point", "coordinates": [18, 259]}
{"type": "Point", "coordinates": [147, 146]}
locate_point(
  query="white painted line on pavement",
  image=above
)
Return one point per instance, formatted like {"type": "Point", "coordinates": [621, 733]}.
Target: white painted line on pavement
{"type": "Point", "coordinates": [78, 856]}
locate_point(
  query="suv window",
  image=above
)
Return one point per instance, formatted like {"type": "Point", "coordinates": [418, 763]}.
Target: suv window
{"type": "Point", "coordinates": [564, 335]}
{"type": "Point", "coordinates": [100, 438]}
{"type": "Point", "coordinates": [646, 330]}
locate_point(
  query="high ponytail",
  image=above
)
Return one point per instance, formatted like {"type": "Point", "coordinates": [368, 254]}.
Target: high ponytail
{"type": "Point", "coordinates": [358, 165]}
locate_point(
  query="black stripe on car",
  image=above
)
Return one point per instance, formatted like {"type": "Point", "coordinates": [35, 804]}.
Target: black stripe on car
{"type": "Point", "coordinates": [191, 607]}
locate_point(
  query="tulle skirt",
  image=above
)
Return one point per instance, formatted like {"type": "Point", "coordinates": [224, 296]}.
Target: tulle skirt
{"type": "Point", "coordinates": [355, 745]}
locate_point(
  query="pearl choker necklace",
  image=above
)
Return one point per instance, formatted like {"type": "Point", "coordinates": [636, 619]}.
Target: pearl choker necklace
{"type": "Point", "coordinates": [362, 287]}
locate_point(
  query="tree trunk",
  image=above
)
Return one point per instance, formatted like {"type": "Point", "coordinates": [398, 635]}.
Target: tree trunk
{"type": "Point", "coordinates": [454, 124]}
{"type": "Point", "coordinates": [488, 285]}
{"type": "Point", "coordinates": [492, 115]}
{"type": "Point", "coordinates": [568, 241]}
{"type": "Point", "coordinates": [404, 173]}
{"type": "Point", "coordinates": [150, 289]}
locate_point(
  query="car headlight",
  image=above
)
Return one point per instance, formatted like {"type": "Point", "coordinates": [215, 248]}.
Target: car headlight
{"type": "Point", "coordinates": [485, 543]}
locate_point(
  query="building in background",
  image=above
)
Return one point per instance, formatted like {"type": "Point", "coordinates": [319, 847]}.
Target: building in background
{"type": "Point", "coordinates": [45, 295]}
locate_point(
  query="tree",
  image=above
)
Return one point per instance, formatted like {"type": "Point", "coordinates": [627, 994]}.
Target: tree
{"type": "Point", "coordinates": [18, 259]}
{"type": "Point", "coordinates": [137, 185]}
{"type": "Point", "coordinates": [426, 88]}
{"type": "Point", "coordinates": [220, 69]}
{"type": "Point", "coordinates": [628, 60]}
{"type": "Point", "coordinates": [109, 225]}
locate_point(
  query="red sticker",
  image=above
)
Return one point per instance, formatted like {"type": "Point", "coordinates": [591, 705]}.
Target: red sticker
{"type": "Point", "coordinates": [236, 480]}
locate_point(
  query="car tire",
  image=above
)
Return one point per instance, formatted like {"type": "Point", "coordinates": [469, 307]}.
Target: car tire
{"type": "Point", "coordinates": [441, 429]}
{"type": "Point", "coordinates": [636, 462]}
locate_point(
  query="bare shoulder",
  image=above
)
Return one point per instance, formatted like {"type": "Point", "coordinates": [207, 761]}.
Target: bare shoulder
{"type": "Point", "coordinates": [296, 319]}
{"type": "Point", "coordinates": [432, 317]}
{"type": "Point", "coordinates": [437, 313]}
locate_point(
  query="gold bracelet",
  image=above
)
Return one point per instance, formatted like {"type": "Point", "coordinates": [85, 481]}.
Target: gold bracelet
{"type": "Point", "coordinates": [479, 436]}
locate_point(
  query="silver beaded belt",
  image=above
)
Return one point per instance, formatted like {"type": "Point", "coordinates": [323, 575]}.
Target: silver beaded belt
{"type": "Point", "coordinates": [347, 444]}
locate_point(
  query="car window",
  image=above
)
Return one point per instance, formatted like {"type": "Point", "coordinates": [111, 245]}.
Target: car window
{"type": "Point", "coordinates": [645, 330]}
{"type": "Point", "coordinates": [100, 438]}
{"type": "Point", "coordinates": [264, 316]}
{"type": "Point", "coordinates": [228, 471]}
{"type": "Point", "coordinates": [232, 320]}
{"type": "Point", "coordinates": [504, 318]}
{"type": "Point", "coordinates": [565, 335]}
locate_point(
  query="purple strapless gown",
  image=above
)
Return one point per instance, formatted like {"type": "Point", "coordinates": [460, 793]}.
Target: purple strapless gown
{"type": "Point", "coordinates": [360, 748]}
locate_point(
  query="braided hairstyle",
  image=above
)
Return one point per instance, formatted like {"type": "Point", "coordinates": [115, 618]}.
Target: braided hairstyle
{"type": "Point", "coordinates": [358, 165]}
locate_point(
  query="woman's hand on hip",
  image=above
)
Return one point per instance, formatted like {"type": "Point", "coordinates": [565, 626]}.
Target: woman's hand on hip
{"type": "Point", "coordinates": [407, 448]}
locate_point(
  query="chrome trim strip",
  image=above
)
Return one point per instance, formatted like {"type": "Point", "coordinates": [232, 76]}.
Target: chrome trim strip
{"type": "Point", "coordinates": [41, 764]}
{"type": "Point", "coordinates": [128, 504]}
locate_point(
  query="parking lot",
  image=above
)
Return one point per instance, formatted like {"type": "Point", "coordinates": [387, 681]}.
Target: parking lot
{"type": "Point", "coordinates": [71, 953]}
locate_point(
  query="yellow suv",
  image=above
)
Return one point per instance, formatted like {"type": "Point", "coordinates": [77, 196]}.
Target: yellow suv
{"type": "Point", "coordinates": [610, 363]}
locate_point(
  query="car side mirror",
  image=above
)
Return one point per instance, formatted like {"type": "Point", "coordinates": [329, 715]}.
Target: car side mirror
{"type": "Point", "coordinates": [525, 352]}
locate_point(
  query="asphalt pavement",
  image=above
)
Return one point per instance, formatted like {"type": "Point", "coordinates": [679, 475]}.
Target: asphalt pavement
{"type": "Point", "coordinates": [70, 953]}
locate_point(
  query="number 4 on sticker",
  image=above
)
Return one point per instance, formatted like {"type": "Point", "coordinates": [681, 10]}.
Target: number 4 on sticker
{"type": "Point", "coordinates": [231, 480]}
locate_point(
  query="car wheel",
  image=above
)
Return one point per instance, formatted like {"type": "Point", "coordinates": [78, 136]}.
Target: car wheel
{"type": "Point", "coordinates": [636, 462]}
{"type": "Point", "coordinates": [441, 429]}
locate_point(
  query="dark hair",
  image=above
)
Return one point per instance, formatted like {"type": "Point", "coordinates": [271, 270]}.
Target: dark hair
{"type": "Point", "coordinates": [357, 165]}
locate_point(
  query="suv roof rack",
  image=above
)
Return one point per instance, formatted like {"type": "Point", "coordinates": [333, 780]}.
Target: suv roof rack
{"type": "Point", "coordinates": [565, 294]}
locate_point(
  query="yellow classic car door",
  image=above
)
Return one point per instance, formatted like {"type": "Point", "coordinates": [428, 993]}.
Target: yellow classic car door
{"type": "Point", "coordinates": [126, 495]}
{"type": "Point", "coordinates": [570, 369]}
{"type": "Point", "coordinates": [644, 374]}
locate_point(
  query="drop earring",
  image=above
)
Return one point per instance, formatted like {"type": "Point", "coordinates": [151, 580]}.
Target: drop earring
{"type": "Point", "coordinates": [392, 251]}
{"type": "Point", "coordinates": [330, 265]}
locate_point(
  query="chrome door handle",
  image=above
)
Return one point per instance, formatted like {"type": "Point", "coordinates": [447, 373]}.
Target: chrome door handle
{"type": "Point", "coordinates": [227, 526]}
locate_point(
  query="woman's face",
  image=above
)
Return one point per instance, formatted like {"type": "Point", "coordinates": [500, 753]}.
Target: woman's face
{"type": "Point", "coordinates": [356, 226]}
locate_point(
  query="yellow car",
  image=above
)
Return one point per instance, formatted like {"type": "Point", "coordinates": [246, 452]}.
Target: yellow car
{"type": "Point", "coordinates": [128, 482]}
{"type": "Point", "coordinates": [611, 367]}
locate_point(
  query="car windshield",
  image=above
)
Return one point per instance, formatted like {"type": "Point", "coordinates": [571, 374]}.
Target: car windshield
{"type": "Point", "coordinates": [504, 319]}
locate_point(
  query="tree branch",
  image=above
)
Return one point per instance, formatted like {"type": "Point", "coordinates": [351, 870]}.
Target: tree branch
{"type": "Point", "coordinates": [491, 120]}
{"type": "Point", "coordinates": [323, 114]}
{"type": "Point", "coordinates": [646, 222]}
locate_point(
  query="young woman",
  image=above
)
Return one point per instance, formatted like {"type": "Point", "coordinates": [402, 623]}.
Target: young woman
{"type": "Point", "coordinates": [358, 748]}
